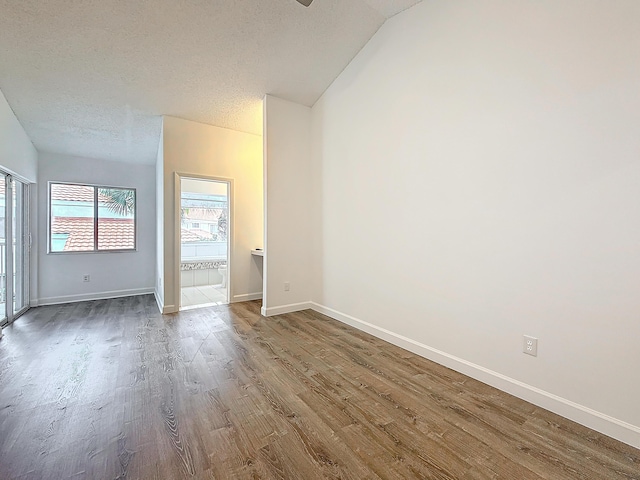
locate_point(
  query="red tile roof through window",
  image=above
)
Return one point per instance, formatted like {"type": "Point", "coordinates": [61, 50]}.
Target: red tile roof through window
{"type": "Point", "coordinates": [74, 193]}
{"type": "Point", "coordinates": [113, 233]}
{"type": "Point", "coordinates": [199, 213]}
{"type": "Point", "coordinates": [194, 235]}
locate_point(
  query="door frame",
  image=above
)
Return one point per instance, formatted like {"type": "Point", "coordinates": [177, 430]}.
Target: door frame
{"type": "Point", "coordinates": [9, 182]}
{"type": "Point", "coordinates": [26, 245]}
{"type": "Point", "coordinates": [177, 280]}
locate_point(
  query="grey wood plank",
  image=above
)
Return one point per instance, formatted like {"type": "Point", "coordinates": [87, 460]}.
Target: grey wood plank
{"type": "Point", "coordinates": [113, 389]}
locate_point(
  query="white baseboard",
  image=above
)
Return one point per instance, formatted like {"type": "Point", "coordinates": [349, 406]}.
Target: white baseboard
{"type": "Point", "coordinates": [167, 309]}
{"type": "Point", "coordinates": [164, 309]}
{"type": "Point", "coordinates": [92, 296]}
{"type": "Point", "coordinates": [245, 297]}
{"type": "Point", "coordinates": [159, 299]}
{"type": "Point", "coordinates": [618, 429]}
{"type": "Point", "coordinates": [279, 310]}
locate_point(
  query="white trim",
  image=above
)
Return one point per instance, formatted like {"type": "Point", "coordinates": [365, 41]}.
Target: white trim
{"type": "Point", "coordinates": [613, 427]}
{"type": "Point", "coordinates": [245, 297]}
{"type": "Point", "coordinates": [293, 307]}
{"type": "Point", "coordinates": [94, 296]}
{"type": "Point", "coordinates": [167, 309]}
{"type": "Point", "coordinates": [159, 300]}
{"type": "Point", "coordinates": [265, 217]}
{"type": "Point", "coordinates": [177, 240]}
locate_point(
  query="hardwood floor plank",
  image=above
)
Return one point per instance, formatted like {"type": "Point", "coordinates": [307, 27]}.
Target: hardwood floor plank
{"type": "Point", "coordinates": [113, 389]}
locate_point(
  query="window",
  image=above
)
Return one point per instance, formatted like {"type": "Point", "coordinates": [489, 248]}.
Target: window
{"type": "Point", "coordinates": [195, 225]}
{"type": "Point", "coordinates": [87, 218]}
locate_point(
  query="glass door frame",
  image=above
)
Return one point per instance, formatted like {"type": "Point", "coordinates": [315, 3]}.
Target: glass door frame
{"type": "Point", "coordinates": [24, 242]}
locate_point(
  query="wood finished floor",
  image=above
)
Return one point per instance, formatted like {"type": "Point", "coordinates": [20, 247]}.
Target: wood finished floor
{"type": "Point", "coordinates": [112, 389]}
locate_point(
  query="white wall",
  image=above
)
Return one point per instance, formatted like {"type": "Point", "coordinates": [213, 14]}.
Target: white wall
{"type": "Point", "coordinates": [289, 225]}
{"type": "Point", "coordinates": [492, 147]}
{"type": "Point", "coordinates": [112, 273]}
{"type": "Point", "coordinates": [196, 149]}
{"type": "Point", "coordinates": [19, 157]}
{"type": "Point", "coordinates": [17, 154]}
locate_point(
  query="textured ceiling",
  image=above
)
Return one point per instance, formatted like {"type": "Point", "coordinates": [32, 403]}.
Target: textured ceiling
{"type": "Point", "coordinates": [92, 78]}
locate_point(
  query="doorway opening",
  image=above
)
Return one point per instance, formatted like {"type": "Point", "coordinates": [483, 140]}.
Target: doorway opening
{"type": "Point", "coordinates": [204, 242]}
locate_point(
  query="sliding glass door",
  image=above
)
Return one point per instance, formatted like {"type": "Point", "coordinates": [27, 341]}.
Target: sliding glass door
{"type": "Point", "coordinates": [20, 236]}
{"type": "Point", "coordinates": [14, 248]}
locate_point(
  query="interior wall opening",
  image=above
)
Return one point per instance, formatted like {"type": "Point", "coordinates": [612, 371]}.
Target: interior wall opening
{"type": "Point", "coordinates": [204, 242]}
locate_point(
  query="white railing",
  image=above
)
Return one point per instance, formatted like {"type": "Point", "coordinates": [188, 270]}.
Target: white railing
{"type": "Point", "coordinates": [204, 251]}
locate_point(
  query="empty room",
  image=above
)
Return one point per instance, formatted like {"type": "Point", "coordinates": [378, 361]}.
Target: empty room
{"type": "Point", "coordinates": [300, 239]}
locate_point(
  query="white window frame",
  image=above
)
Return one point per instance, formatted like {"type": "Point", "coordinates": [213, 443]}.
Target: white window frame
{"type": "Point", "coordinates": [95, 250]}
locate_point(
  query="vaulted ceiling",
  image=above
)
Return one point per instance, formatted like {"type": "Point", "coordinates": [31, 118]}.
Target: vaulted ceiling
{"type": "Point", "coordinates": [92, 78]}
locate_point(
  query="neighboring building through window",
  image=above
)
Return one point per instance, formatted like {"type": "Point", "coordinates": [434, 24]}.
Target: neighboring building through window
{"type": "Point", "coordinates": [203, 217]}
{"type": "Point", "coordinates": [86, 218]}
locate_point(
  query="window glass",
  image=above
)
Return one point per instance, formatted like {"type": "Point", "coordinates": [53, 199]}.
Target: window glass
{"type": "Point", "coordinates": [72, 210]}
{"type": "Point", "coordinates": [116, 222]}
{"type": "Point", "coordinates": [77, 221]}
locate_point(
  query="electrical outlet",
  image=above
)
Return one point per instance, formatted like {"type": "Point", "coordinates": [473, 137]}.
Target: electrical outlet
{"type": "Point", "coordinates": [530, 346]}
{"type": "Point", "coordinates": [287, 286]}
{"type": "Point", "coordinates": [86, 278]}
